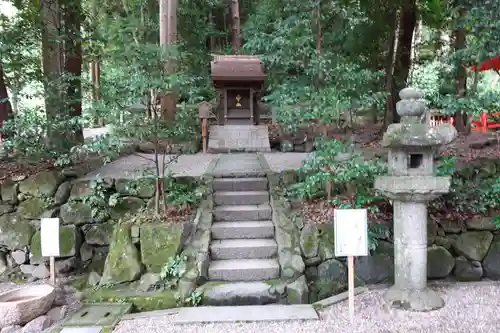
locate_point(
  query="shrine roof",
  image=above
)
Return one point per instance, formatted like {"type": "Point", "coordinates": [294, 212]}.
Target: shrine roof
{"type": "Point", "coordinates": [241, 68]}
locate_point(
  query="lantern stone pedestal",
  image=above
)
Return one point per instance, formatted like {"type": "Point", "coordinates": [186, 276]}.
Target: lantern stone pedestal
{"type": "Point", "coordinates": [411, 184]}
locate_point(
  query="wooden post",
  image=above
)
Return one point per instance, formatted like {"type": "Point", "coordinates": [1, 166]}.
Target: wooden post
{"type": "Point", "coordinates": [350, 280]}
{"type": "Point", "coordinates": [52, 270]}
{"type": "Point", "coordinates": [251, 106]}
{"type": "Point", "coordinates": [204, 134]}
{"type": "Point", "coordinates": [225, 106]}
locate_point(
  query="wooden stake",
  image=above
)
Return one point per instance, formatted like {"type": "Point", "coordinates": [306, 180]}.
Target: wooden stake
{"type": "Point", "coordinates": [350, 280]}
{"type": "Point", "coordinates": [52, 270]}
{"type": "Point", "coordinates": [204, 134]}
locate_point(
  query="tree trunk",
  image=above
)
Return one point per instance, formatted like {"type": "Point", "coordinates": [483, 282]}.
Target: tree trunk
{"type": "Point", "coordinates": [5, 106]}
{"type": "Point", "coordinates": [389, 70]}
{"type": "Point", "coordinates": [235, 17]}
{"type": "Point", "coordinates": [72, 16]}
{"type": "Point", "coordinates": [95, 68]}
{"type": "Point", "coordinates": [168, 36]}
{"type": "Point", "coordinates": [407, 23]}
{"type": "Point", "coordinates": [52, 68]}
{"type": "Point", "coordinates": [461, 76]}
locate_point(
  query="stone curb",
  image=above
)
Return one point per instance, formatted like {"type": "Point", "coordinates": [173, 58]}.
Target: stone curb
{"type": "Point", "coordinates": [209, 172]}
{"type": "Point", "coordinates": [332, 300]}
{"type": "Point", "coordinates": [264, 165]}
{"type": "Point", "coordinates": [150, 314]}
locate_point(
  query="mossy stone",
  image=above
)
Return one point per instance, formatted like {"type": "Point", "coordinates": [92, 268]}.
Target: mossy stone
{"type": "Point", "coordinates": [123, 261]}
{"type": "Point", "coordinates": [15, 232]}
{"type": "Point", "coordinates": [141, 301]}
{"type": "Point", "coordinates": [126, 205]}
{"type": "Point", "coordinates": [42, 184]}
{"type": "Point", "coordinates": [70, 241]}
{"type": "Point", "coordinates": [98, 234]}
{"type": "Point", "coordinates": [141, 187]}
{"type": "Point", "coordinates": [159, 243]}
{"type": "Point", "coordinates": [32, 208]}
{"type": "Point", "coordinates": [76, 213]}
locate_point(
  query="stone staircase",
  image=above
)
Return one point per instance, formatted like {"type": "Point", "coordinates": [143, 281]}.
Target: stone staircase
{"type": "Point", "coordinates": [243, 249]}
{"type": "Point", "coordinates": [238, 138]}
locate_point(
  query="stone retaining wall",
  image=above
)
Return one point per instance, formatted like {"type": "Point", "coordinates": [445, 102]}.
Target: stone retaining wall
{"type": "Point", "coordinates": [89, 216]}
{"type": "Point", "coordinates": [463, 252]}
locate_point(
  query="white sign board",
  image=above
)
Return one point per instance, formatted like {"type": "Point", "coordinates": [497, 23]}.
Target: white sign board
{"type": "Point", "coordinates": [49, 237]}
{"type": "Point", "coordinates": [351, 232]}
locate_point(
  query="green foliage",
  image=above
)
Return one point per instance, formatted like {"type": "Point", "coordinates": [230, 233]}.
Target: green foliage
{"type": "Point", "coordinates": [180, 193]}
{"type": "Point", "coordinates": [334, 162]}
{"type": "Point", "coordinates": [377, 231]}
{"type": "Point", "coordinates": [170, 273]}
{"type": "Point", "coordinates": [470, 194]}
{"type": "Point", "coordinates": [100, 198]}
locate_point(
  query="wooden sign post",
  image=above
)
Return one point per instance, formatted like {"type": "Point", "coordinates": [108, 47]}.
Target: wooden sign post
{"type": "Point", "coordinates": [49, 239]}
{"type": "Point", "coordinates": [351, 240]}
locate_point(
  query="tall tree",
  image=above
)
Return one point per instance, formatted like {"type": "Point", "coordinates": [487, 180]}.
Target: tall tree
{"type": "Point", "coordinates": [168, 37]}
{"type": "Point", "coordinates": [407, 24]}
{"type": "Point", "coordinates": [5, 106]}
{"type": "Point", "coordinates": [235, 26]}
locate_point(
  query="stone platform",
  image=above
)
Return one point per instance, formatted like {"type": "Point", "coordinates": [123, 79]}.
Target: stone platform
{"type": "Point", "coordinates": [238, 138]}
{"type": "Point", "coordinates": [196, 165]}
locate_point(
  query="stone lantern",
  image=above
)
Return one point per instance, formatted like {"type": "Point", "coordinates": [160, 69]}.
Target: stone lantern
{"type": "Point", "coordinates": [411, 184]}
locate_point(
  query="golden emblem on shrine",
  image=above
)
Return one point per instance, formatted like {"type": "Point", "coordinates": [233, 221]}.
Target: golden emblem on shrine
{"type": "Point", "coordinates": [238, 99]}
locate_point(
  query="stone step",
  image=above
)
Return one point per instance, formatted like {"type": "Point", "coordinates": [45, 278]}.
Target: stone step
{"type": "Point", "coordinates": [238, 293]}
{"type": "Point", "coordinates": [244, 270]}
{"type": "Point", "coordinates": [243, 213]}
{"type": "Point", "coordinates": [240, 184]}
{"type": "Point", "coordinates": [241, 197]}
{"type": "Point", "coordinates": [243, 249]}
{"type": "Point", "coordinates": [242, 229]}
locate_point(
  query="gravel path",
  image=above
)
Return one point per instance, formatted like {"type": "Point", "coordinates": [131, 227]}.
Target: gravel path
{"type": "Point", "coordinates": [470, 308]}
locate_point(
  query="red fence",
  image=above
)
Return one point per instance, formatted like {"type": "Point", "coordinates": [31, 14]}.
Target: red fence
{"type": "Point", "coordinates": [483, 124]}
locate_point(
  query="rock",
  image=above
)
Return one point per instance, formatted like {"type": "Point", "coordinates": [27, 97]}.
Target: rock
{"type": "Point", "coordinates": [147, 281]}
{"type": "Point", "coordinates": [159, 243]}
{"type": "Point", "coordinates": [292, 265]}
{"type": "Point", "coordinates": [123, 262]}
{"type": "Point", "coordinates": [56, 314]}
{"type": "Point", "coordinates": [86, 252]}
{"type": "Point", "coordinates": [440, 262]}
{"type": "Point", "coordinates": [93, 279]}
{"type": "Point", "coordinates": [70, 240]}
{"type": "Point", "coordinates": [141, 187]}
{"type": "Point", "coordinates": [432, 231]}
{"type": "Point", "coordinates": [28, 307]}
{"type": "Point", "coordinates": [76, 213]}
{"type": "Point", "coordinates": [286, 146]}
{"type": "Point", "coordinates": [314, 261]}
{"type": "Point", "coordinates": [42, 184]}
{"type": "Point", "coordinates": [37, 325]}
{"type": "Point", "coordinates": [3, 263]}
{"type": "Point", "coordinates": [19, 256]}
{"type": "Point", "coordinates": [467, 270]}
{"type": "Point", "coordinates": [311, 273]}
{"type": "Point", "coordinates": [27, 269]}
{"type": "Point", "coordinates": [11, 329]}
{"type": "Point", "coordinates": [66, 265]}
{"type": "Point", "coordinates": [385, 247]}
{"type": "Point", "coordinates": [297, 291]}
{"type": "Point", "coordinates": [98, 259]}
{"type": "Point", "coordinates": [41, 272]}
{"type": "Point", "coordinates": [237, 293]}
{"type": "Point", "coordinates": [375, 268]}
{"type": "Point", "coordinates": [62, 194]}
{"type": "Point", "coordinates": [473, 244]}
{"type": "Point", "coordinates": [8, 191]}
{"type": "Point", "coordinates": [98, 234]}
{"type": "Point", "coordinates": [126, 205]}
{"type": "Point", "coordinates": [6, 208]}
{"type": "Point", "coordinates": [332, 278]}
{"type": "Point", "coordinates": [185, 287]}
{"type": "Point", "coordinates": [326, 241]}
{"type": "Point", "coordinates": [32, 208]}
{"type": "Point", "coordinates": [481, 223]}
{"type": "Point", "coordinates": [451, 227]}
{"type": "Point", "coordinates": [309, 241]}
{"type": "Point", "coordinates": [491, 263]}
{"type": "Point", "coordinates": [15, 233]}
{"type": "Point", "coordinates": [446, 242]}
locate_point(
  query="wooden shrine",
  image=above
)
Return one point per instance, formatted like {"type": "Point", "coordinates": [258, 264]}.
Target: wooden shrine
{"type": "Point", "coordinates": [239, 80]}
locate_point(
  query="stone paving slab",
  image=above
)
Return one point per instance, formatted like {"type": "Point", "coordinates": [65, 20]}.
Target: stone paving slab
{"type": "Point", "coordinates": [95, 329]}
{"type": "Point", "coordinates": [102, 314]}
{"type": "Point", "coordinates": [279, 162]}
{"type": "Point", "coordinates": [230, 314]}
{"type": "Point", "coordinates": [139, 165]}
{"type": "Point", "coordinates": [238, 138]}
{"type": "Point", "coordinates": [238, 165]}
